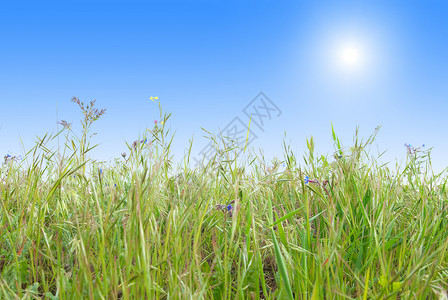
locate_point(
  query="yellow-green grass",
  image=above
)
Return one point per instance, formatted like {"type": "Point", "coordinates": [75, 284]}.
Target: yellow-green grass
{"type": "Point", "coordinates": [139, 228]}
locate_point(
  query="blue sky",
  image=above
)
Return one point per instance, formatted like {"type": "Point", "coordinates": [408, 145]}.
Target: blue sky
{"type": "Point", "coordinates": [206, 60]}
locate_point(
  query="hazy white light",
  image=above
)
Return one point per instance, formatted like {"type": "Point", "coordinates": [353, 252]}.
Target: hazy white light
{"type": "Point", "coordinates": [350, 56]}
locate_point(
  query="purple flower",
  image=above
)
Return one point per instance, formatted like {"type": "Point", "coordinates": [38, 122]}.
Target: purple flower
{"type": "Point", "coordinates": [229, 207]}
{"type": "Point", "coordinates": [101, 171]}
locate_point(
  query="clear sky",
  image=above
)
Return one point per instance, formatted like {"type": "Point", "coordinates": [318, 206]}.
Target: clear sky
{"type": "Point", "coordinates": [346, 63]}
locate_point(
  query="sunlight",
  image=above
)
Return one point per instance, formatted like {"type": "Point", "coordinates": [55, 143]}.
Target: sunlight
{"type": "Point", "coordinates": [350, 57]}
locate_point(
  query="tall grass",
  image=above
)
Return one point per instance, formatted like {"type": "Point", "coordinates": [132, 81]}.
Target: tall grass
{"type": "Point", "coordinates": [139, 228]}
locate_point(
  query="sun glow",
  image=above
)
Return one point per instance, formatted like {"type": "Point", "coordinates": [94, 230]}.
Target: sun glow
{"type": "Point", "coordinates": [350, 57]}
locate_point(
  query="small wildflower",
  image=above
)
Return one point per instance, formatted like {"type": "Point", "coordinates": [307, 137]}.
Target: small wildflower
{"type": "Point", "coordinates": [115, 185]}
{"type": "Point", "coordinates": [91, 114]}
{"type": "Point", "coordinates": [9, 157]}
{"type": "Point", "coordinates": [226, 208]}
{"type": "Point", "coordinates": [101, 171]}
{"type": "Point", "coordinates": [65, 124]}
{"type": "Point", "coordinates": [412, 150]}
{"type": "Point", "coordinates": [161, 122]}
{"type": "Point", "coordinates": [408, 147]}
{"type": "Point", "coordinates": [153, 98]}
{"type": "Point", "coordinates": [155, 122]}
{"type": "Point", "coordinates": [307, 179]}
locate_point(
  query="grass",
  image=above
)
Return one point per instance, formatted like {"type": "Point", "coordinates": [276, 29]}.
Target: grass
{"type": "Point", "coordinates": [139, 228]}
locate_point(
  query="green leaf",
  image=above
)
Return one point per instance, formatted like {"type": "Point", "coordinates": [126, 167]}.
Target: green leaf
{"type": "Point", "coordinates": [393, 243]}
{"type": "Point", "coordinates": [396, 286]}
{"type": "Point", "coordinates": [281, 265]}
{"type": "Point", "coordinates": [383, 281]}
{"type": "Point", "coordinates": [316, 288]}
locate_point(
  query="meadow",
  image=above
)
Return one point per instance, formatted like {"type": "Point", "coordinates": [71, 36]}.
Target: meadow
{"type": "Point", "coordinates": [240, 226]}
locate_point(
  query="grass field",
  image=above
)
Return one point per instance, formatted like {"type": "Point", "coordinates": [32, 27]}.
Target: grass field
{"type": "Point", "coordinates": [239, 227]}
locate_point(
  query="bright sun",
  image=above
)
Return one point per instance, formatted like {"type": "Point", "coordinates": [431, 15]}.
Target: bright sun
{"type": "Point", "coordinates": [350, 57]}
